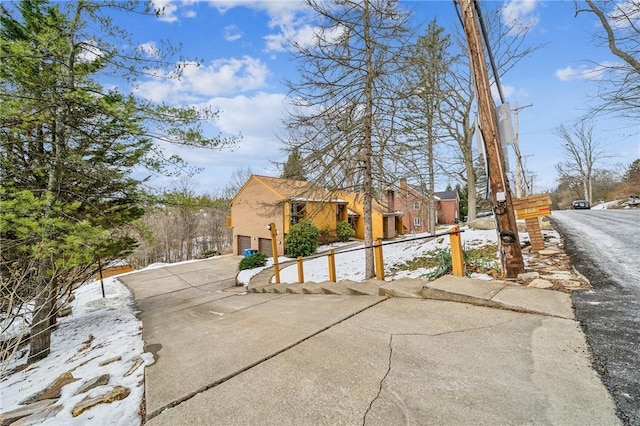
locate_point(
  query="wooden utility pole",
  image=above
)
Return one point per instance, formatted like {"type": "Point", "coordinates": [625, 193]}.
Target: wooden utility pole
{"type": "Point", "coordinates": [510, 250]}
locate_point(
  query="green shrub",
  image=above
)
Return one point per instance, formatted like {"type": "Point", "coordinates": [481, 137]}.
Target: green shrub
{"type": "Point", "coordinates": [302, 239]}
{"type": "Point", "coordinates": [444, 264]}
{"type": "Point", "coordinates": [253, 261]}
{"type": "Point", "coordinates": [344, 231]}
{"type": "Point", "coordinates": [482, 260]}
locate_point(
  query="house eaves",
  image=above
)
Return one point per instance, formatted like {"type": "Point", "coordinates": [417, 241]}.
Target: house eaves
{"type": "Point", "coordinates": [318, 200]}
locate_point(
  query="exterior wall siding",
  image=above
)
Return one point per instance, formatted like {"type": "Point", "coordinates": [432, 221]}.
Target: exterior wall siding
{"type": "Point", "coordinates": [255, 207]}
{"type": "Point", "coordinates": [259, 203]}
{"type": "Point", "coordinates": [448, 210]}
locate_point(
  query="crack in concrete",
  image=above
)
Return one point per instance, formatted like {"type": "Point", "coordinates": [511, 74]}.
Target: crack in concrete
{"type": "Point", "coordinates": [389, 364]}
{"type": "Point", "coordinates": [447, 332]}
{"type": "Point", "coordinates": [364, 418]}
{"type": "Point", "coordinates": [256, 363]}
{"type": "Point", "coordinates": [191, 286]}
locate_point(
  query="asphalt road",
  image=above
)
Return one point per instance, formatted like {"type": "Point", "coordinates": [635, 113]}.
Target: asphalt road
{"type": "Point", "coordinates": [604, 247]}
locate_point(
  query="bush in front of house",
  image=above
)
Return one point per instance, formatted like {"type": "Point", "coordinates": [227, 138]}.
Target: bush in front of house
{"type": "Point", "coordinates": [302, 239]}
{"type": "Point", "coordinates": [344, 231]}
{"type": "Point", "coordinates": [253, 261]}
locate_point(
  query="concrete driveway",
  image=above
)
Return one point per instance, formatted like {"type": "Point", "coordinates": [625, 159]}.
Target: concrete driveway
{"type": "Point", "coordinates": [227, 357]}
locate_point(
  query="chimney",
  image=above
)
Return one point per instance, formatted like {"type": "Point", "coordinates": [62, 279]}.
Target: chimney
{"type": "Point", "coordinates": [403, 185]}
{"type": "Point", "coordinates": [390, 200]}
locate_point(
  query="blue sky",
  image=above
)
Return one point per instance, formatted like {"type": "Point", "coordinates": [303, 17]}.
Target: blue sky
{"type": "Point", "coordinates": [242, 45]}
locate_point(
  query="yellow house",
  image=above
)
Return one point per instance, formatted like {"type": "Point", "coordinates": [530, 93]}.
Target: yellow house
{"type": "Point", "coordinates": [263, 200]}
{"type": "Point", "coordinates": [386, 222]}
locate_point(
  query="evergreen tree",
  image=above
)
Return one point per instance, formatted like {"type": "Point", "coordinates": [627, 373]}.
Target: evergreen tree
{"type": "Point", "coordinates": [463, 193]}
{"type": "Point", "coordinates": [67, 148]}
{"type": "Point", "coordinates": [632, 175]}
{"type": "Point", "coordinates": [293, 168]}
{"type": "Point", "coordinates": [428, 67]}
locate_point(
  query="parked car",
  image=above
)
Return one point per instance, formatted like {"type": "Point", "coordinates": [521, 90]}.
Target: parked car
{"type": "Point", "coordinates": [484, 213]}
{"type": "Point", "coordinates": [580, 205]}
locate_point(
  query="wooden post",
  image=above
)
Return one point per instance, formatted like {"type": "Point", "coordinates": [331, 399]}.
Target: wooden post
{"type": "Point", "coordinates": [531, 209]}
{"type": "Point", "coordinates": [510, 250]}
{"type": "Point", "coordinates": [377, 248]}
{"type": "Point", "coordinates": [300, 270]}
{"type": "Point", "coordinates": [457, 259]}
{"type": "Point", "coordinates": [101, 279]}
{"type": "Point", "coordinates": [535, 233]}
{"type": "Point", "coordinates": [274, 249]}
{"type": "Point", "coordinates": [332, 266]}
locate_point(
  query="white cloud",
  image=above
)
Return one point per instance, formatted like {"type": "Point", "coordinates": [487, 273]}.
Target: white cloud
{"type": "Point", "coordinates": [150, 49]}
{"type": "Point", "coordinates": [519, 14]}
{"type": "Point", "coordinates": [625, 15]}
{"type": "Point", "coordinates": [259, 119]}
{"type": "Point", "coordinates": [303, 36]}
{"type": "Point", "coordinates": [89, 51]}
{"type": "Point", "coordinates": [165, 10]}
{"type": "Point", "coordinates": [289, 19]}
{"type": "Point", "coordinates": [232, 33]}
{"type": "Point", "coordinates": [221, 77]}
{"type": "Point", "coordinates": [584, 72]}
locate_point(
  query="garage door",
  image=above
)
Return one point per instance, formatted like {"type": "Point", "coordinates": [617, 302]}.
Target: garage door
{"type": "Point", "coordinates": [244, 242]}
{"type": "Point", "coordinates": [264, 246]}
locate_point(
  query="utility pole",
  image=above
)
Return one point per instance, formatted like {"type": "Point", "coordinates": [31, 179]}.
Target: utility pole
{"type": "Point", "coordinates": [510, 250]}
{"type": "Point", "coordinates": [516, 110]}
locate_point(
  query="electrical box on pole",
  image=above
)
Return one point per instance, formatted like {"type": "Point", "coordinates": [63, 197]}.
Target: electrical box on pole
{"type": "Point", "coordinates": [502, 206]}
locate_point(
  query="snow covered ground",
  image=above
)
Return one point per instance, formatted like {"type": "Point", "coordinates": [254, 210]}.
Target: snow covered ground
{"type": "Point", "coordinates": [106, 329]}
{"type": "Point", "coordinates": [349, 263]}
{"type": "Point", "coordinates": [99, 329]}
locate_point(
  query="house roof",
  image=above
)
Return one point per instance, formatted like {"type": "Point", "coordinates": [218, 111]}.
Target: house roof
{"type": "Point", "coordinates": [358, 197]}
{"type": "Point", "coordinates": [416, 191]}
{"type": "Point", "coordinates": [296, 190]}
{"type": "Point", "coordinates": [287, 189]}
{"type": "Point", "coordinates": [447, 195]}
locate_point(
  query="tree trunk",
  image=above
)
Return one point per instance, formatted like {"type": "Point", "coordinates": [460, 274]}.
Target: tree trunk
{"type": "Point", "coordinates": [472, 193]}
{"type": "Point", "coordinates": [431, 171]}
{"type": "Point", "coordinates": [369, 268]}
{"type": "Point", "coordinates": [43, 309]}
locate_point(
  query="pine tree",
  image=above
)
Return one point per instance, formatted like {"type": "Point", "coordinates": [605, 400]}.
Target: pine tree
{"type": "Point", "coordinates": [428, 67]}
{"type": "Point", "coordinates": [293, 168]}
{"type": "Point", "coordinates": [67, 148]}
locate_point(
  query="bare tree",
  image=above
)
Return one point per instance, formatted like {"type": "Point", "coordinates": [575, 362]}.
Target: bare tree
{"type": "Point", "coordinates": [621, 85]}
{"type": "Point", "coordinates": [237, 179]}
{"type": "Point", "coordinates": [507, 36]}
{"type": "Point", "coordinates": [428, 68]}
{"type": "Point", "coordinates": [582, 153]}
{"type": "Point", "coordinates": [344, 96]}
{"type": "Point", "coordinates": [183, 226]}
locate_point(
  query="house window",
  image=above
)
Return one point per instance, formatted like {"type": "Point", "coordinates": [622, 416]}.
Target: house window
{"type": "Point", "coordinates": [297, 212]}
{"type": "Point", "coordinates": [416, 205]}
{"type": "Point", "coordinates": [417, 222]}
{"type": "Point", "coordinates": [339, 212]}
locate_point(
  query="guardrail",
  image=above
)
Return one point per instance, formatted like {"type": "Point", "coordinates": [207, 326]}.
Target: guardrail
{"type": "Point", "coordinates": [456, 256]}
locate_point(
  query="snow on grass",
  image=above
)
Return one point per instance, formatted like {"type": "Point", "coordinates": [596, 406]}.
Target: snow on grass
{"type": "Point", "coordinates": [99, 329]}
{"type": "Point", "coordinates": [350, 263]}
